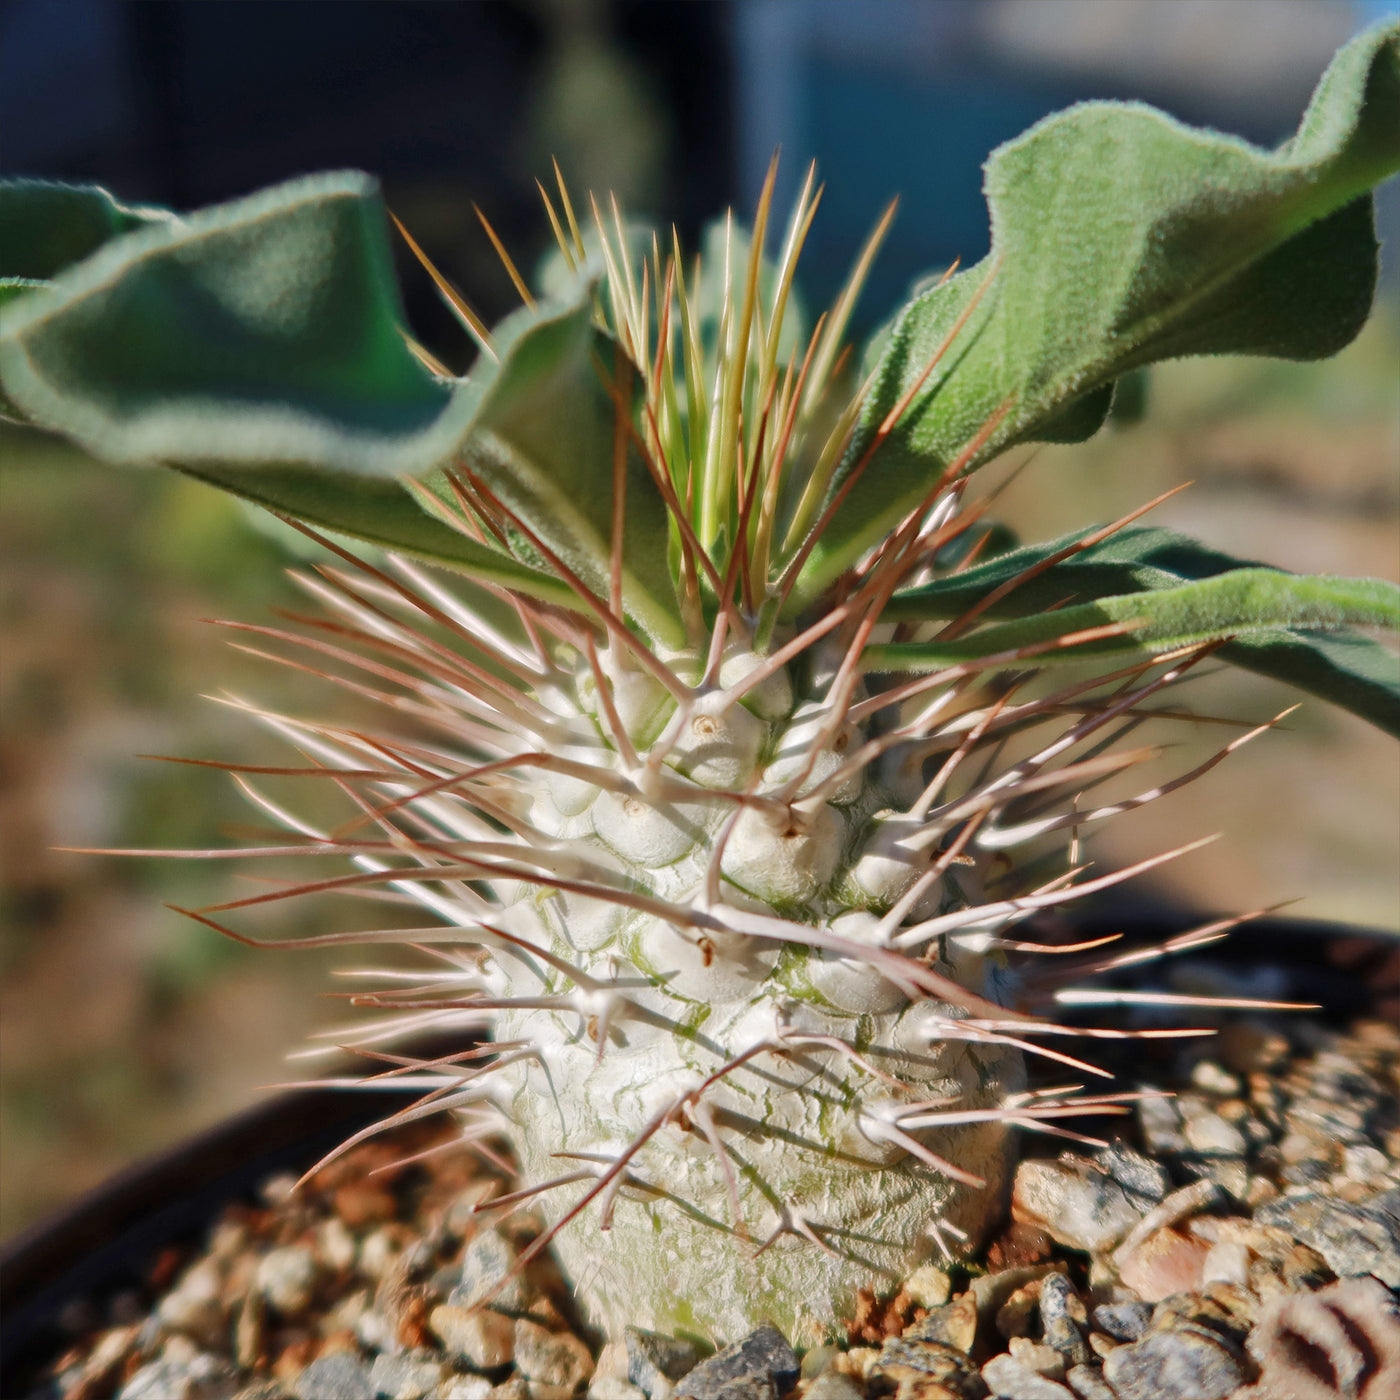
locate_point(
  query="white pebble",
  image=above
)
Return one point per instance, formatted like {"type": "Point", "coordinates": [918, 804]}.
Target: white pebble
{"type": "Point", "coordinates": [1226, 1262]}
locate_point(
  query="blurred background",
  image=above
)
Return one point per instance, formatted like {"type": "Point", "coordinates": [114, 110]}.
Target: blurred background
{"type": "Point", "coordinates": [124, 1027]}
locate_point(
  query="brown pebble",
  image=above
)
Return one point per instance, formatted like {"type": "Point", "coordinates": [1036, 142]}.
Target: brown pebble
{"type": "Point", "coordinates": [1259, 1189]}
{"type": "Point", "coordinates": [1036, 1356]}
{"type": "Point", "coordinates": [1021, 1243]}
{"type": "Point", "coordinates": [413, 1329]}
{"type": "Point", "coordinates": [1304, 1269]}
{"type": "Point", "coordinates": [360, 1203]}
{"type": "Point", "coordinates": [856, 1362]}
{"type": "Point", "coordinates": [953, 1324]}
{"type": "Point", "coordinates": [1016, 1316]}
{"type": "Point", "coordinates": [296, 1356]}
{"type": "Point", "coordinates": [107, 1361]}
{"type": "Point", "coordinates": [1228, 1313]}
{"type": "Point", "coordinates": [1166, 1262]}
{"type": "Point", "coordinates": [248, 1331]}
{"type": "Point", "coordinates": [1100, 1343]}
{"type": "Point", "coordinates": [162, 1273]}
{"type": "Point", "coordinates": [1353, 1191]}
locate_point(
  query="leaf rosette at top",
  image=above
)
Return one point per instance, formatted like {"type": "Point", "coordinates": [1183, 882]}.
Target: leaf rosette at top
{"type": "Point", "coordinates": [259, 345]}
{"type": "Point", "coordinates": [1121, 237]}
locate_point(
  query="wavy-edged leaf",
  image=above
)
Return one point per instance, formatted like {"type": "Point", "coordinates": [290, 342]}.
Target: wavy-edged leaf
{"type": "Point", "coordinates": [544, 438]}
{"type": "Point", "coordinates": [259, 345]}
{"type": "Point", "coordinates": [11, 289]}
{"type": "Point", "coordinates": [1120, 237]}
{"type": "Point", "coordinates": [1134, 558]}
{"type": "Point", "coordinates": [1345, 668]}
{"type": "Point", "coordinates": [258, 333]}
{"type": "Point", "coordinates": [46, 227]}
{"type": "Point", "coordinates": [1250, 607]}
{"type": "Point", "coordinates": [384, 513]}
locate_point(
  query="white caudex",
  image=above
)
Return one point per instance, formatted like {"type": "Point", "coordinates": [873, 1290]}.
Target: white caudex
{"type": "Point", "coordinates": [742, 996]}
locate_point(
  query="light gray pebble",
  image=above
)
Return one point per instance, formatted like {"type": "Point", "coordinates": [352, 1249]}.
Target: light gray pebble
{"type": "Point", "coordinates": [1230, 1174]}
{"type": "Point", "coordinates": [610, 1387]}
{"type": "Point", "coordinates": [1134, 1172]}
{"type": "Point", "coordinates": [1160, 1122]}
{"type": "Point", "coordinates": [1075, 1204]}
{"type": "Point", "coordinates": [286, 1277]}
{"type": "Point", "coordinates": [834, 1385]}
{"type": "Point", "coordinates": [550, 1358]}
{"type": "Point", "coordinates": [1038, 1357]}
{"type": "Point", "coordinates": [762, 1358]}
{"type": "Point", "coordinates": [278, 1188]}
{"type": "Point", "coordinates": [1178, 1365]}
{"type": "Point", "coordinates": [339, 1376]}
{"type": "Point", "coordinates": [486, 1260]}
{"type": "Point", "coordinates": [1211, 1133]}
{"type": "Point", "coordinates": [990, 1292]}
{"type": "Point", "coordinates": [1214, 1079]}
{"type": "Point", "coordinates": [379, 1252]}
{"type": "Point", "coordinates": [914, 1365]}
{"type": "Point", "coordinates": [176, 1376]}
{"type": "Point", "coordinates": [336, 1243]}
{"type": "Point", "coordinates": [656, 1362]}
{"type": "Point", "coordinates": [513, 1388]}
{"type": "Point", "coordinates": [1124, 1322]}
{"type": "Point", "coordinates": [1088, 1383]}
{"type": "Point", "coordinates": [196, 1305]}
{"type": "Point", "coordinates": [1364, 1162]}
{"type": "Point", "coordinates": [953, 1324]}
{"type": "Point", "coordinates": [1226, 1262]}
{"type": "Point", "coordinates": [1354, 1238]}
{"type": "Point", "coordinates": [1008, 1378]}
{"type": "Point", "coordinates": [264, 1390]}
{"type": "Point", "coordinates": [375, 1332]}
{"type": "Point", "coordinates": [465, 1388]}
{"type": "Point", "coordinates": [1309, 1172]}
{"type": "Point", "coordinates": [409, 1377]}
{"type": "Point", "coordinates": [818, 1359]}
{"type": "Point", "coordinates": [1059, 1327]}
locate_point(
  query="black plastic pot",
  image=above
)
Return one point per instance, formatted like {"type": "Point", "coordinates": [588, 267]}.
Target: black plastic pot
{"type": "Point", "coordinates": [104, 1242]}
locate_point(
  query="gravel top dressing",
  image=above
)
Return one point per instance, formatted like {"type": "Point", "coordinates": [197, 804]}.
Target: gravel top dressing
{"type": "Point", "coordinates": [1242, 1240]}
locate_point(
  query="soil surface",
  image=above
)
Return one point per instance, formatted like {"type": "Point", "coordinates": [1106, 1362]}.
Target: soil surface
{"type": "Point", "coordinates": [1240, 1238]}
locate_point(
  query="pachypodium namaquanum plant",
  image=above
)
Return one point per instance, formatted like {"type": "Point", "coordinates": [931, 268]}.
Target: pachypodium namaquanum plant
{"type": "Point", "coordinates": [720, 767]}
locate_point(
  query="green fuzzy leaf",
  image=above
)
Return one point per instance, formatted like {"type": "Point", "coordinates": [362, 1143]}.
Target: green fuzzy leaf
{"type": "Point", "coordinates": [1258, 608]}
{"type": "Point", "coordinates": [47, 227]}
{"type": "Point", "coordinates": [1129, 560]}
{"type": "Point", "coordinates": [1342, 667]}
{"type": "Point", "coordinates": [543, 440]}
{"type": "Point", "coordinates": [1121, 237]}
{"type": "Point", "coordinates": [259, 333]}
{"type": "Point", "coordinates": [11, 289]}
{"type": "Point", "coordinates": [382, 512]}
{"type": "Point", "coordinates": [258, 345]}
